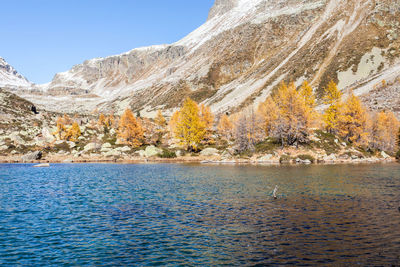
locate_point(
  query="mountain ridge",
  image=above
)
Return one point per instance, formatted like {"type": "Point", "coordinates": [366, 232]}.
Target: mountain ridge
{"type": "Point", "coordinates": [239, 55]}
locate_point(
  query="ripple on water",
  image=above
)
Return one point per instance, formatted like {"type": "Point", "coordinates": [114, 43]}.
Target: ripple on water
{"type": "Point", "coordinates": [159, 214]}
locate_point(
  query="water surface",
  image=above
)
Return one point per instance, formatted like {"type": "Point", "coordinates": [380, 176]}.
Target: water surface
{"type": "Point", "coordinates": [167, 214]}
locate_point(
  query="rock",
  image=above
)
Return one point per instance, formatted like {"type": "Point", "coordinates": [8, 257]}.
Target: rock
{"type": "Point", "coordinates": [265, 158]}
{"type": "Point", "coordinates": [344, 144]}
{"type": "Point", "coordinates": [354, 157]}
{"type": "Point", "coordinates": [112, 131]}
{"type": "Point", "coordinates": [59, 142]}
{"type": "Point", "coordinates": [384, 155]}
{"type": "Point", "coordinates": [2, 148]}
{"type": "Point", "coordinates": [330, 158]}
{"type": "Point", "coordinates": [112, 153]}
{"type": "Point", "coordinates": [16, 138]}
{"type": "Point", "coordinates": [32, 156]}
{"type": "Point", "coordinates": [123, 149]}
{"type": "Point", "coordinates": [81, 138]}
{"type": "Point", "coordinates": [71, 144]}
{"type": "Point", "coordinates": [106, 147]}
{"type": "Point", "coordinates": [91, 146]}
{"type": "Point", "coordinates": [307, 161]}
{"type": "Point", "coordinates": [68, 161]}
{"type": "Point", "coordinates": [141, 153]}
{"type": "Point", "coordinates": [209, 152]}
{"type": "Point", "coordinates": [152, 151]}
{"type": "Point", "coordinates": [178, 153]}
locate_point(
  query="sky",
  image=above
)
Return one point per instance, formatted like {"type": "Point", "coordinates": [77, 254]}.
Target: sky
{"type": "Point", "coordinates": [43, 37]}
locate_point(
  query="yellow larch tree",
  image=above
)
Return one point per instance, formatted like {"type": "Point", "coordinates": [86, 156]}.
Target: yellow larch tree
{"type": "Point", "coordinates": [332, 98]}
{"type": "Point", "coordinates": [73, 132]}
{"type": "Point", "coordinates": [307, 93]}
{"type": "Point", "coordinates": [291, 121]}
{"type": "Point", "coordinates": [225, 127]}
{"type": "Point", "coordinates": [207, 119]}
{"type": "Point", "coordinates": [130, 130]}
{"type": "Point", "coordinates": [268, 111]}
{"type": "Point", "coordinates": [190, 129]}
{"type": "Point", "coordinates": [61, 129]}
{"type": "Point", "coordinates": [159, 120]}
{"type": "Point", "coordinates": [384, 132]}
{"type": "Point", "coordinates": [102, 120]}
{"type": "Point", "coordinates": [352, 121]}
{"type": "Point", "coordinates": [173, 122]}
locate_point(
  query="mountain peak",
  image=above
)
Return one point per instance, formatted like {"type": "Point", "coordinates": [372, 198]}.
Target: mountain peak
{"type": "Point", "coordinates": [220, 7]}
{"type": "Point", "coordinates": [9, 77]}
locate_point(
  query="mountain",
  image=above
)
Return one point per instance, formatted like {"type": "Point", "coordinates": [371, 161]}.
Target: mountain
{"type": "Point", "coordinates": [10, 78]}
{"type": "Point", "coordinates": [240, 54]}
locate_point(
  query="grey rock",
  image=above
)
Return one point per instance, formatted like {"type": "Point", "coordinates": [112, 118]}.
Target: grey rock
{"type": "Point", "coordinates": [152, 151]}
{"type": "Point", "coordinates": [32, 156]}
{"type": "Point", "coordinates": [209, 152]}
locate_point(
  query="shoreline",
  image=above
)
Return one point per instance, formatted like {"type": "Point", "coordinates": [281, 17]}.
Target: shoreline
{"type": "Point", "coordinates": [198, 160]}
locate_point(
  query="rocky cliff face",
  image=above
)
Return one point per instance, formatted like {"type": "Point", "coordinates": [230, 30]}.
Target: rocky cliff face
{"type": "Point", "coordinates": [240, 54]}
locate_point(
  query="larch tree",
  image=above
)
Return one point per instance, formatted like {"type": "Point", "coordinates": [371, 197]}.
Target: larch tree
{"type": "Point", "coordinates": [73, 132]}
{"type": "Point", "coordinates": [159, 120]}
{"type": "Point", "coordinates": [332, 98]}
{"type": "Point", "coordinates": [292, 124]}
{"type": "Point", "coordinates": [130, 130]}
{"type": "Point", "coordinates": [190, 129]}
{"type": "Point", "coordinates": [225, 127]}
{"type": "Point", "coordinates": [61, 129]}
{"type": "Point", "coordinates": [384, 132]}
{"type": "Point", "coordinates": [352, 121]}
{"type": "Point", "coordinates": [173, 122]}
{"type": "Point", "coordinates": [207, 119]}
{"type": "Point", "coordinates": [268, 111]}
{"type": "Point", "coordinates": [249, 130]}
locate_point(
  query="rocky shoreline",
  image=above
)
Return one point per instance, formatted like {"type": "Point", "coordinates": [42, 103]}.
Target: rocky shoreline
{"type": "Point", "coordinates": [200, 159]}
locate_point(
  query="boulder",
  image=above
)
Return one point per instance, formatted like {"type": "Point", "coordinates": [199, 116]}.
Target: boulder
{"type": "Point", "coordinates": [91, 146]}
{"type": "Point", "coordinates": [16, 138]}
{"type": "Point", "coordinates": [32, 156]}
{"type": "Point", "coordinates": [71, 144]}
{"type": "Point", "coordinates": [330, 158]}
{"type": "Point", "coordinates": [123, 149]}
{"type": "Point", "coordinates": [152, 151]}
{"type": "Point", "coordinates": [209, 152]}
{"type": "Point", "coordinates": [265, 158]}
{"type": "Point", "coordinates": [4, 147]}
{"type": "Point", "coordinates": [141, 153]}
{"type": "Point", "coordinates": [384, 155]}
{"type": "Point", "coordinates": [112, 153]}
{"type": "Point", "coordinates": [106, 147]}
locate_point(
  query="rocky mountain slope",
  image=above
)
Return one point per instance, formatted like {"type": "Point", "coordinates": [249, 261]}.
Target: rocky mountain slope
{"type": "Point", "coordinates": [240, 54]}
{"type": "Point", "coordinates": [10, 78]}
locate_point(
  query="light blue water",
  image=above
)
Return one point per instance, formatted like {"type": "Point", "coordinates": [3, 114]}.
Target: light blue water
{"type": "Point", "coordinates": [166, 214]}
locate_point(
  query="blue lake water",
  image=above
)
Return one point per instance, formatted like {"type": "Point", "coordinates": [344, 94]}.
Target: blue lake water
{"type": "Point", "coordinates": [172, 214]}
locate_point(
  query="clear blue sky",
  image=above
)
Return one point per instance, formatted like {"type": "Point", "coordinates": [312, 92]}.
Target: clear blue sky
{"type": "Point", "coordinates": [42, 37]}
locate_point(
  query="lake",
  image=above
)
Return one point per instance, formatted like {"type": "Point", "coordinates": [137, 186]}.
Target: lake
{"type": "Point", "coordinates": [190, 214]}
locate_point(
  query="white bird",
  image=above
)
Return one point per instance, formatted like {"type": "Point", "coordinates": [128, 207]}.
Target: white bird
{"type": "Point", "coordinates": [275, 190]}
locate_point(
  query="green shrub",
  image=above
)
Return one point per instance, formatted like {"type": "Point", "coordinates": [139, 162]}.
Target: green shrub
{"type": "Point", "coordinates": [167, 154]}
{"type": "Point", "coordinates": [307, 157]}
{"type": "Point", "coordinates": [398, 155]}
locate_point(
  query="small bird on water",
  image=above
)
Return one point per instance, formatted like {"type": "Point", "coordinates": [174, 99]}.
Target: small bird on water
{"type": "Point", "coordinates": [274, 193]}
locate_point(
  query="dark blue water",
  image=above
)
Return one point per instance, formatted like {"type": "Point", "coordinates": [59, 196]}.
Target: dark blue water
{"type": "Point", "coordinates": [95, 214]}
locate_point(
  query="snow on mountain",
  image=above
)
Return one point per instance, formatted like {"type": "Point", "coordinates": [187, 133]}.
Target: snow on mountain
{"type": "Point", "coordinates": [10, 78]}
{"type": "Point", "coordinates": [239, 55]}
